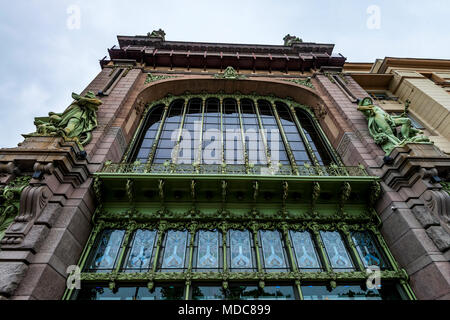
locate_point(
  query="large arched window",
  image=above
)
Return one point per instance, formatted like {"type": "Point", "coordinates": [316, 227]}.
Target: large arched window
{"type": "Point", "coordinates": [230, 130]}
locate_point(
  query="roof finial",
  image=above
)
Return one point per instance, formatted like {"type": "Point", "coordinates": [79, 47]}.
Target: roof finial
{"type": "Point", "coordinates": [157, 34]}
{"type": "Point", "coordinates": [289, 40]}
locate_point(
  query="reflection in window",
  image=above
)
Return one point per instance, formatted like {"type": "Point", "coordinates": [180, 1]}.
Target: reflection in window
{"type": "Point", "coordinates": [314, 139]}
{"type": "Point", "coordinates": [368, 250]}
{"type": "Point", "coordinates": [252, 292]}
{"type": "Point", "coordinates": [169, 133]}
{"type": "Point", "coordinates": [254, 142]}
{"type": "Point", "coordinates": [105, 256]}
{"type": "Point", "coordinates": [294, 138]}
{"type": "Point", "coordinates": [234, 153]}
{"type": "Point", "coordinates": [305, 251]}
{"type": "Point", "coordinates": [207, 293]}
{"type": "Point", "coordinates": [350, 292]}
{"type": "Point", "coordinates": [139, 256]}
{"type": "Point", "coordinates": [221, 133]}
{"type": "Point", "coordinates": [336, 251]}
{"type": "Point", "coordinates": [175, 250]}
{"type": "Point", "coordinates": [153, 121]}
{"type": "Point", "coordinates": [274, 258]}
{"type": "Point", "coordinates": [240, 251]}
{"type": "Point", "coordinates": [163, 292]}
{"type": "Point", "coordinates": [274, 141]}
{"type": "Point", "coordinates": [207, 250]}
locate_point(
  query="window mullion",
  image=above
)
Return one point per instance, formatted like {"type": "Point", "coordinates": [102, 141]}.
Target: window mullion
{"type": "Point", "coordinates": [180, 134]}
{"type": "Point", "coordinates": [192, 231]}
{"type": "Point", "coordinates": [125, 242]}
{"type": "Point", "coordinates": [244, 146]}
{"type": "Point", "coordinates": [263, 134]}
{"type": "Point", "coordinates": [222, 144]}
{"type": "Point", "coordinates": [285, 141]}
{"type": "Point", "coordinates": [352, 247]}
{"type": "Point", "coordinates": [158, 248]}
{"type": "Point", "coordinates": [322, 251]}
{"type": "Point", "coordinates": [198, 157]}
{"type": "Point", "coordinates": [309, 149]}
{"type": "Point", "coordinates": [156, 141]}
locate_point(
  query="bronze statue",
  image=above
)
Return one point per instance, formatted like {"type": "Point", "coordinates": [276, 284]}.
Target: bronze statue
{"type": "Point", "coordinates": [383, 127]}
{"type": "Point", "coordinates": [76, 122]}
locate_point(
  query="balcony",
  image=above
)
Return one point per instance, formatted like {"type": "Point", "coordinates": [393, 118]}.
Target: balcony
{"type": "Point", "coordinates": [198, 170]}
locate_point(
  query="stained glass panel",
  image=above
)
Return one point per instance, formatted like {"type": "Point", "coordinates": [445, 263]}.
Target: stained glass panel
{"type": "Point", "coordinates": [175, 250]}
{"type": "Point", "coordinates": [240, 250]}
{"type": "Point", "coordinates": [336, 251]}
{"type": "Point", "coordinates": [368, 251]}
{"type": "Point", "coordinates": [305, 252]}
{"type": "Point", "coordinates": [108, 248]}
{"type": "Point", "coordinates": [140, 253]}
{"type": "Point", "coordinates": [208, 249]}
{"type": "Point", "coordinates": [273, 251]}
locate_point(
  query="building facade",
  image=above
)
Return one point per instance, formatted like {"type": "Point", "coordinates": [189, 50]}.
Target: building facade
{"type": "Point", "coordinates": [204, 171]}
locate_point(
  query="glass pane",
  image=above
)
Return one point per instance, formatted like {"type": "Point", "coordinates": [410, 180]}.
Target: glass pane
{"type": "Point", "coordinates": [368, 250]}
{"type": "Point", "coordinates": [240, 250]}
{"type": "Point", "coordinates": [208, 249]}
{"type": "Point", "coordinates": [336, 251]}
{"type": "Point", "coordinates": [252, 292]}
{"type": "Point", "coordinates": [175, 250]}
{"type": "Point", "coordinates": [277, 293]}
{"type": "Point", "coordinates": [207, 293]}
{"type": "Point", "coordinates": [141, 251]}
{"type": "Point", "coordinates": [162, 292]}
{"type": "Point", "coordinates": [350, 292]}
{"type": "Point", "coordinates": [89, 292]}
{"type": "Point", "coordinates": [242, 292]}
{"type": "Point", "coordinates": [273, 251]}
{"type": "Point", "coordinates": [107, 250]}
{"type": "Point", "coordinates": [305, 252]}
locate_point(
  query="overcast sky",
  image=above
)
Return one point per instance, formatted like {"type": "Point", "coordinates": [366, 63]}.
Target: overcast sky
{"type": "Point", "coordinates": [46, 52]}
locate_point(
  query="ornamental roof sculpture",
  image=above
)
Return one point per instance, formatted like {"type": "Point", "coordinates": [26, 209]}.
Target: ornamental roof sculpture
{"type": "Point", "coordinates": [383, 127]}
{"type": "Point", "coordinates": [230, 73]}
{"type": "Point", "coordinates": [76, 122]}
{"type": "Point", "coordinates": [289, 40]}
{"type": "Point", "coordinates": [157, 34]}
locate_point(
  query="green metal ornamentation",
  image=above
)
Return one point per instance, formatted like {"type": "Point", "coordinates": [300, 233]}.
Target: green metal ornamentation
{"type": "Point", "coordinates": [290, 40]}
{"type": "Point", "coordinates": [229, 74]}
{"type": "Point", "coordinates": [76, 123]}
{"type": "Point", "coordinates": [9, 201]}
{"type": "Point", "coordinates": [302, 81]}
{"type": "Point", "coordinates": [383, 127]}
{"type": "Point", "coordinates": [152, 78]}
{"type": "Point", "coordinates": [157, 34]}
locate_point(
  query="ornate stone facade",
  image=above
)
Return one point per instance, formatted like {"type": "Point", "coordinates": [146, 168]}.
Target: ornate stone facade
{"type": "Point", "coordinates": [55, 217]}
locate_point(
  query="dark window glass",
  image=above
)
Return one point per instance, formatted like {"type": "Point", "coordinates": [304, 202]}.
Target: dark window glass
{"type": "Point", "coordinates": [294, 138]}
{"type": "Point", "coordinates": [351, 292]}
{"type": "Point", "coordinates": [253, 292]}
{"type": "Point", "coordinates": [101, 292]}
{"type": "Point", "coordinates": [208, 292]}
{"type": "Point", "coordinates": [314, 139]}
{"type": "Point", "coordinates": [152, 123]}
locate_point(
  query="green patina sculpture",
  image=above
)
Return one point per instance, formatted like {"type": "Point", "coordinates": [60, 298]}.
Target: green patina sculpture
{"type": "Point", "coordinates": [157, 34]}
{"type": "Point", "coordinates": [76, 122]}
{"type": "Point", "coordinates": [289, 40]}
{"type": "Point", "coordinates": [229, 73]}
{"type": "Point", "coordinates": [383, 127]}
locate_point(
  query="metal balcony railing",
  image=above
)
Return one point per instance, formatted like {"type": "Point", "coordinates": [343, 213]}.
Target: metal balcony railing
{"type": "Point", "coordinates": [232, 169]}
